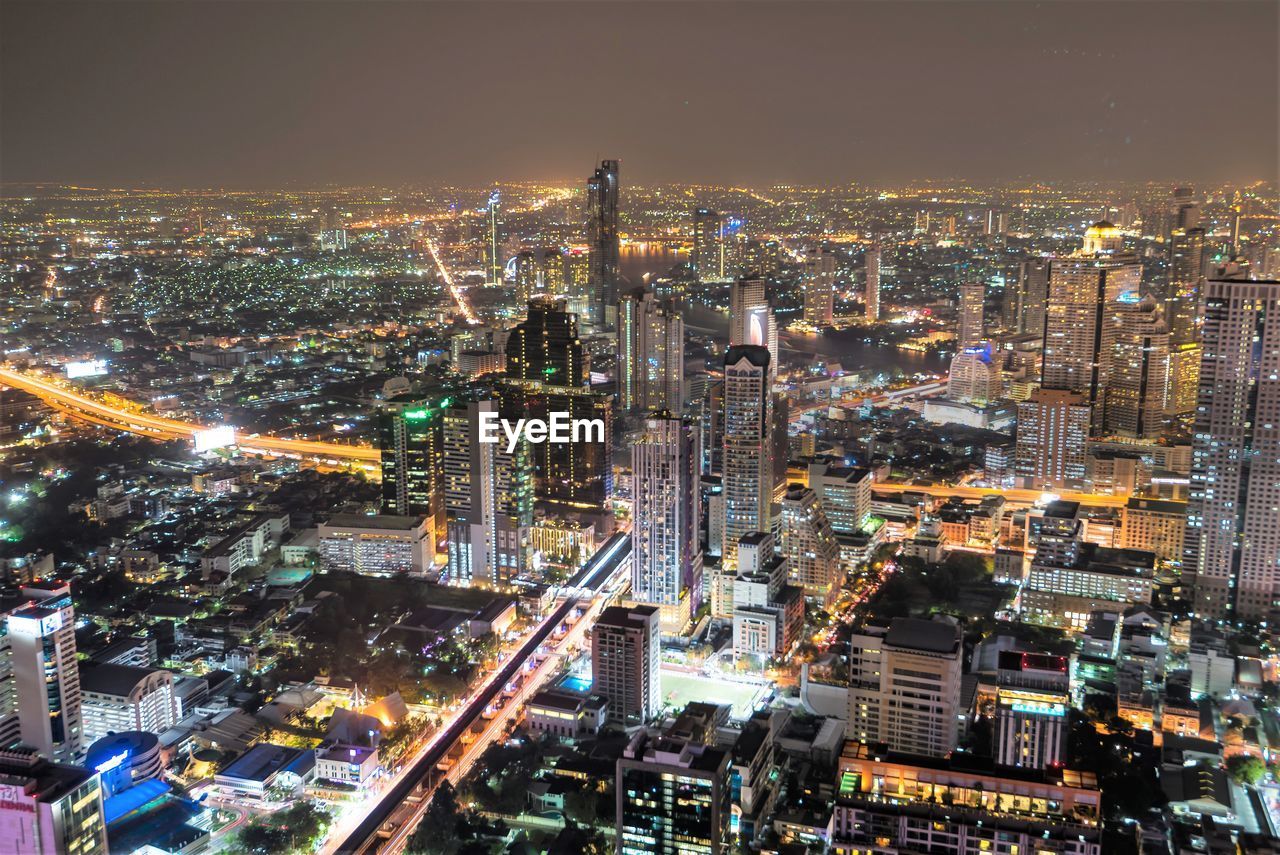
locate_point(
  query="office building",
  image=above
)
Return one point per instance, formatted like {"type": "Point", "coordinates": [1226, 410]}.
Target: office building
{"type": "Point", "coordinates": [1032, 700]}
{"type": "Point", "coordinates": [748, 422]}
{"type": "Point", "coordinates": [751, 320]}
{"type": "Point", "coordinates": [673, 796]}
{"type": "Point", "coordinates": [872, 293]}
{"type": "Point", "coordinates": [650, 355]}
{"type": "Point", "coordinates": [819, 288]}
{"type": "Point", "coordinates": [844, 493]}
{"type": "Point", "coordinates": [383, 545]}
{"type": "Point", "coordinates": [602, 240]}
{"type": "Point", "coordinates": [888, 801]}
{"type": "Point", "coordinates": [545, 347]}
{"type": "Point", "coordinates": [904, 685]}
{"type": "Point", "coordinates": [528, 276]}
{"type": "Point", "coordinates": [410, 436]}
{"type": "Point", "coordinates": [470, 503]}
{"type": "Point", "coordinates": [551, 272]}
{"type": "Point", "coordinates": [1232, 540]}
{"type": "Point", "coordinates": [767, 611]}
{"type": "Point", "coordinates": [1049, 453]}
{"type": "Point", "coordinates": [708, 245]}
{"type": "Point", "coordinates": [1026, 314]}
{"type": "Point", "coordinates": [118, 698]}
{"type": "Point", "coordinates": [975, 376]}
{"type": "Point", "coordinates": [666, 558]}
{"type": "Point", "coordinates": [809, 545]}
{"type": "Point", "coordinates": [712, 428]}
{"type": "Point", "coordinates": [626, 652]}
{"type": "Point", "coordinates": [970, 329]}
{"type": "Point", "coordinates": [1135, 341]}
{"type": "Point", "coordinates": [1154, 525]}
{"type": "Point", "coordinates": [1185, 281]}
{"type": "Point", "coordinates": [513, 490]}
{"type": "Point", "coordinates": [1081, 288]}
{"type": "Point", "coordinates": [46, 676]}
{"type": "Point", "coordinates": [50, 808]}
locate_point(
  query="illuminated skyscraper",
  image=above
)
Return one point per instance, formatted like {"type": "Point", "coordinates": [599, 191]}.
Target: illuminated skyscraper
{"type": "Point", "coordinates": [545, 346]}
{"type": "Point", "coordinates": [553, 273]}
{"type": "Point", "coordinates": [1053, 426]}
{"type": "Point", "coordinates": [513, 490]}
{"type": "Point", "coordinates": [602, 239]}
{"type": "Point", "coordinates": [708, 245]}
{"type": "Point", "coordinates": [650, 354]}
{"type": "Point", "coordinates": [666, 560]}
{"type": "Point", "coordinates": [1032, 700]}
{"type": "Point", "coordinates": [1081, 287]}
{"type": "Point", "coordinates": [493, 240]}
{"type": "Point", "coordinates": [819, 288]}
{"type": "Point", "coordinates": [410, 437]}
{"type": "Point", "coordinates": [469, 498]}
{"type": "Point", "coordinates": [626, 653]}
{"type": "Point", "coordinates": [1182, 310]}
{"type": "Point", "coordinates": [748, 420]}
{"type": "Point", "coordinates": [41, 640]}
{"type": "Point", "coordinates": [712, 426]}
{"type": "Point", "coordinates": [1135, 342]}
{"type": "Point", "coordinates": [975, 376]}
{"type": "Point", "coordinates": [751, 319]}
{"type": "Point", "coordinates": [1233, 541]}
{"type": "Point", "coordinates": [809, 544]}
{"type": "Point", "coordinates": [969, 323]}
{"type": "Point", "coordinates": [872, 295]}
{"type": "Point", "coordinates": [1029, 296]}
{"type": "Point", "coordinates": [528, 276]}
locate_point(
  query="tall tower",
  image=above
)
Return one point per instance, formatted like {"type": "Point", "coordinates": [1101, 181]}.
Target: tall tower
{"type": "Point", "coordinates": [748, 472]}
{"type": "Point", "coordinates": [872, 259]}
{"type": "Point", "coordinates": [1232, 545]}
{"type": "Point", "coordinates": [708, 245]}
{"type": "Point", "coordinates": [602, 239]}
{"type": "Point", "coordinates": [469, 499]}
{"type": "Point", "coordinates": [666, 561]}
{"type": "Point", "coordinates": [46, 675]}
{"type": "Point", "coordinates": [969, 323]}
{"type": "Point", "coordinates": [1136, 344]}
{"type": "Point", "coordinates": [819, 288]}
{"type": "Point", "coordinates": [1081, 286]}
{"type": "Point", "coordinates": [409, 432]}
{"type": "Point", "coordinates": [1027, 316]}
{"type": "Point", "coordinates": [493, 240]}
{"type": "Point", "coordinates": [650, 354]}
{"type": "Point", "coordinates": [545, 347]}
{"type": "Point", "coordinates": [751, 319]}
{"type": "Point", "coordinates": [1182, 310]}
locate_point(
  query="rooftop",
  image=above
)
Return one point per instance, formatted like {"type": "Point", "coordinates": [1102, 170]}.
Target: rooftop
{"type": "Point", "coordinates": [928, 635]}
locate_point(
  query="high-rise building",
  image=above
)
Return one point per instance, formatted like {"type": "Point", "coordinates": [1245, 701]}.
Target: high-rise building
{"type": "Point", "coordinates": [712, 427]}
{"type": "Point", "coordinates": [970, 330]}
{"type": "Point", "coordinates": [708, 245]}
{"type": "Point", "coordinates": [872, 294]}
{"type": "Point", "coordinates": [552, 273]}
{"type": "Point", "coordinates": [50, 808]}
{"type": "Point", "coordinates": [602, 240]}
{"type": "Point", "coordinates": [46, 676]}
{"type": "Point", "coordinates": [513, 489]}
{"type": "Point", "coordinates": [1135, 343]}
{"type": "Point", "coordinates": [1032, 702]}
{"type": "Point", "coordinates": [1182, 313]}
{"type": "Point", "coordinates": [1081, 287]}
{"type": "Point", "coordinates": [751, 320]}
{"type": "Point", "coordinates": [904, 685]}
{"type": "Point", "coordinates": [673, 796]}
{"type": "Point", "coordinates": [819, 288]}
{"type": "Point", "coordinates": [1053, 426]}
{"type": "Point", "coordinates": [1026, 314]}
{"type": "Point", "coordinates": [748, 421]}
{"type": "Point", "coordinates": [493, 240]}
{"type": "Point", "coordinates": [845, 495]}
{"type": "Point", "coordinates": [666, 559]}
{"type": "Point", "coordinates": [626, 651]}
{"type": "Point", "coordinates": [409, 433]}
{"type": "Point", "coordinates": [528, 276]}
{"type": "Point", "coordinates": [809, 544]}
{"type": "Point", "coordinates": [545, 347]}
{"type": "Point", "coordinates": [975, 375]}
{"type": "Point", "coordinates": [469, 500]}
{"type": "Point", "coordinates": [118, 698]}
{"type": "Point", "coordinates": [650, 354]}
{"type": "Point", "coordinates": [1233, 541]}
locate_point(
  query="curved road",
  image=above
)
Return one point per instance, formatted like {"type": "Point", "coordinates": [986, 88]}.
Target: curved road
{"type": "Point", "coordinates": [88, 409]}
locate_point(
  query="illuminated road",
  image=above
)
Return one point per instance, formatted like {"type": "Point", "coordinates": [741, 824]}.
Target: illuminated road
{"type": "Point", "coordinates": [388, 824]}
{"type": "Point", "coordinates": [97, 412]}
{"type": "Point", "coordinates": [1028, 497]}
{"type": "Point", "coordinates": [459, 296]}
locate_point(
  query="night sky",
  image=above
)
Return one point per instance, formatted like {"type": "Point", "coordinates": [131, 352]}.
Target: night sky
{"type": "Point", "coordinates": [265, 95]}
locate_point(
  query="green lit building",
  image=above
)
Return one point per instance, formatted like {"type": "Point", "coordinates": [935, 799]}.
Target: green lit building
{"type": "Point", "coordinates": [673, 796]}
{"type": "Point", "coordinates": [410, 434]}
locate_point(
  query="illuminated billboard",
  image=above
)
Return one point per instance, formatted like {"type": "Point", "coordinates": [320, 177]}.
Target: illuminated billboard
{"type": "Point", "coordinates": [92, 368]}
{"type": "Point", "coordinates": [218, 437]}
